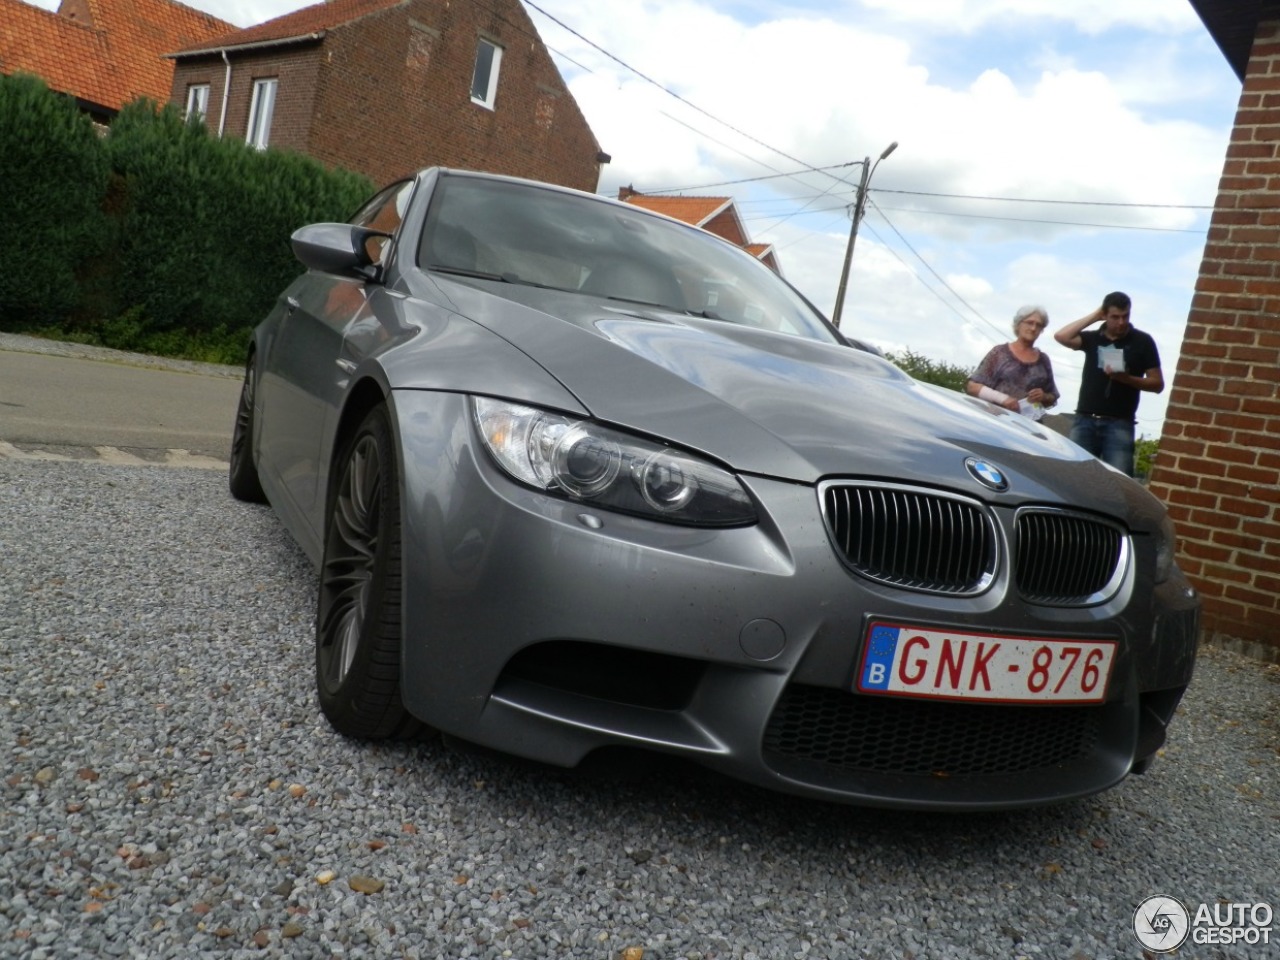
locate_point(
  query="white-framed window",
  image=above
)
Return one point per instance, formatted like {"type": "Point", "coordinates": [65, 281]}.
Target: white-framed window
{"type": "Point", "coordinates": [198, 100]}
{"type": "Point", "coordinates": [260, 111]}
{"type": "Point", "coordinates": [484, 82]}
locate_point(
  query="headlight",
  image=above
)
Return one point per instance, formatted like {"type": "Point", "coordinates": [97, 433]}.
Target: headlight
{"type": "Point", "coordinates": [584, 461]}
{"type": "Point", "coordinates": [1166, 546]}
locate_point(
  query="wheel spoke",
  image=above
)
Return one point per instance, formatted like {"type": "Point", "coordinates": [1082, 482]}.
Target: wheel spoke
{"type": "Point", "coordinates": [348, 638]}
{"type": "Point", "coordinates": [349, 563]}
{"type": "Point", "coordinates": [358, 640]}
{"type": "Point", "coordinates": [350, 527]}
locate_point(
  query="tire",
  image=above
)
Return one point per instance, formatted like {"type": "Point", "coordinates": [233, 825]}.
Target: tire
{"type": "Point", "coordinates": [243, 476]}
{"type": "Point", "coordinates": [358, 626]}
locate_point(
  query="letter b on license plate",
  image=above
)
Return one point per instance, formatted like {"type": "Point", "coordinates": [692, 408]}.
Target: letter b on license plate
{"type": "Point", "coordinates": [907, 661]}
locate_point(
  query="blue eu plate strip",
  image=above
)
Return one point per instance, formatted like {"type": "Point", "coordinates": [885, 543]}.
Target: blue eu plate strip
{"type": "Point", "coordinates": [876, 665]}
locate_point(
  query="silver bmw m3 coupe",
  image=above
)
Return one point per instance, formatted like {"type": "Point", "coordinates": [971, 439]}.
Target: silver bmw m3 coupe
{"type": "Point", "coordinates": [576, 476]}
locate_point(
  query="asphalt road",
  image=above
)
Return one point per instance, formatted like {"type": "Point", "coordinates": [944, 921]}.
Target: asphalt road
{"type": "Point", "coordinates": [61, 400]}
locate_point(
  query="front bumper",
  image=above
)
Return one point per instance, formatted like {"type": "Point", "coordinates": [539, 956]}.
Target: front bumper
{"type": "Point", "coordinates": [547, 629]}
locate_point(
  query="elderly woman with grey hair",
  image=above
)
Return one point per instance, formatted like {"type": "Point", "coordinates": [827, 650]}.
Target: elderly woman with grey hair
{"type": "Point", "coordinates": [1018, 375]}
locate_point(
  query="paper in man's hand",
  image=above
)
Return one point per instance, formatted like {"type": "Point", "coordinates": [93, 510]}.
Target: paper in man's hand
{"type": "Point", "coordinates": [1112, 357]}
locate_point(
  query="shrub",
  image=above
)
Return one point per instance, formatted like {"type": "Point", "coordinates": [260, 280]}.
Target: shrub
{"type": "Point", "coordinates": [931, 371]}
{"type": "Point", "coordinates": [1144, 456]}
{"type": "Point", "coordinates": [205, 223]}
{"type": "Point", "coordinates": [55, 177]}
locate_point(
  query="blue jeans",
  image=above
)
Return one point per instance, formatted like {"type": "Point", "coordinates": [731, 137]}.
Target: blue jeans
{"type": "Point", "coordinates": [1107, 438]}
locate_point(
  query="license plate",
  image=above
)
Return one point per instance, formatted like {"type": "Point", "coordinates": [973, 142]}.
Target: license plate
{"type": "Point", "coordinates": [905, 661]}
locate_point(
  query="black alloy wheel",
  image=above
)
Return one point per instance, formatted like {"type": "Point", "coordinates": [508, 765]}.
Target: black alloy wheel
{"type": "Point", "coordinates": [358, 620]}
{"type": "Point", "coordinates": [243, 477]}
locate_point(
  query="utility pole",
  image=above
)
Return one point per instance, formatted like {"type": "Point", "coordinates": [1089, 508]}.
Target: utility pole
{"type": "Point", "coordinates": [859, 208]}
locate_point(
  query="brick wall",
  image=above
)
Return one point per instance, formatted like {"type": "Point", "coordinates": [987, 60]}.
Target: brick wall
{"type": "Point", "coordinates": [294, 68]}
{"type": "Point", "coordinates": [726, 224]}
{"type": "Point", "coordinates": [1219, 463]}
{"type": "Point", "coordinates": [390, 93]}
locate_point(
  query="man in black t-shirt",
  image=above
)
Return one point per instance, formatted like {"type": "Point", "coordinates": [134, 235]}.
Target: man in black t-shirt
{"type": "Point", "coordinates": [1119, 364]}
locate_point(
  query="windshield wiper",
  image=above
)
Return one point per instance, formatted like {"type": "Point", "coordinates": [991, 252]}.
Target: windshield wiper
{"type": "Point", "coordinates": [644, 303]}
{"type": "Point", "coordinates": [704, 314]}
{"type": "Point", "coordinates": [482, 275]}
{"type": "Point", "coordinates": [467, 272]}
{"type": "Point", "coordinates": [464, 272]}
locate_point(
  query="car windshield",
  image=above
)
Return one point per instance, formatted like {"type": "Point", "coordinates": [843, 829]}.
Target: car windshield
{"type": "Point", "coordinates": [526, 234]}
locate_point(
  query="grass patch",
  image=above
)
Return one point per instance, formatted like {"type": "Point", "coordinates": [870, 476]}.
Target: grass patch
{"type": "Point", "coordinates": [130, 332]}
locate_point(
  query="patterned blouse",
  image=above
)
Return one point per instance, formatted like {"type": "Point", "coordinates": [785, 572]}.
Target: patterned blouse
{"type": "Point", "coordinates": [1001, 370]}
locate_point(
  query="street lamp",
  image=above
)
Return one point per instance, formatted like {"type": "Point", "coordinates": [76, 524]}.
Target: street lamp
{"type": "Point", "coordinates": [859, 208]}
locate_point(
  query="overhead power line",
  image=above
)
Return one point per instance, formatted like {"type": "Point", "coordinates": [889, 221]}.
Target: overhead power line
{"type": "Point", "coordinates": [1056, 223]}
{"type": "Point", "coordinates": [972, 309]}
{"type": "Point", "coordinates": [1082, 203]}
{"type": "Point", "coordinates": [772, 176]}
{"type": "Point", "coordinates": [940, 298]}
{"type": "Point", "coordinates": [667, 90]}
{"type": "Point", "coordinates": [946, 196]}
{"type": "Point", "coordinates": [706, 136]}
{"type": "Point", "coordinates": [519, 28]}
{"type": "Point", "coordinates": [825, 170]}
{"type": "Point", "coordinates": [760, 217]}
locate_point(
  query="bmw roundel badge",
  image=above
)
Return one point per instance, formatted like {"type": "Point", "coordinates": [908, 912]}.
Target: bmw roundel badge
{"type": "Point", "coordinates": [987, 474]}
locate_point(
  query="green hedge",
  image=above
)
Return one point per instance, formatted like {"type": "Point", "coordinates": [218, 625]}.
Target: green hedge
{"type": "Point", "coordinates": [182, 239]}
{"type": "Point", "coordinates": [54, 176]}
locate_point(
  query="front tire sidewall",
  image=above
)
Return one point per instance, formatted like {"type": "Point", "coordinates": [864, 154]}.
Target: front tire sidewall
{"type": "Point", "coordinates": [364, 701]}
{"type": "Point", "coordinates": [243, 476]}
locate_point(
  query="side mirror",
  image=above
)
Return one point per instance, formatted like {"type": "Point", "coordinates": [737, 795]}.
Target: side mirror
{"type": "Point", "coordinates": [337, 248]}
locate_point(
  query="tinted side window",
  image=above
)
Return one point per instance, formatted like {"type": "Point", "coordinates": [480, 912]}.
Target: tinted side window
{"type": "Point", "coordinates": [384, 212]}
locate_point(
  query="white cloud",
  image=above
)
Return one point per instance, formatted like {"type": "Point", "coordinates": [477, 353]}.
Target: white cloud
{"type": "Point", "coordinates": [1069, 135]}
{"type": "Point", "coordinates": [1087, 16]}
{"type": "Point", "coordinates": [247, 13]}
{"type": "Point", "coordinates": [1106, 101]}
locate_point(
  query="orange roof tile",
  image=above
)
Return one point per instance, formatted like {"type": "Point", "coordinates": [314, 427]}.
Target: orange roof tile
{"type": "Point", "coordinates": [700, 211]}
{"type": "Point", "coordinates": [694, 210]}
{"type": "Point", "coordinates": [301, 23]}
{"type": "Point", "coordinates": [106, 52]}
{"type": "Point", "coordinates": [766, 254]}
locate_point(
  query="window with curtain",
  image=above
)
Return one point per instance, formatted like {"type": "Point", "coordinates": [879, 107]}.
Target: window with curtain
{"type": "Point", "coordinates": [198, 100]}
{"type": "Point", "coordinates": [260, 111]}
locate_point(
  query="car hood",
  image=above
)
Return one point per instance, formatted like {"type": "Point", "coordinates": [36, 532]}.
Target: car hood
{"type": "Point", "coordinates": [781, 406]}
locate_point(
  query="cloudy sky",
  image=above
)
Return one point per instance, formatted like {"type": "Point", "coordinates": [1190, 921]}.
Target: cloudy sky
{"type": "Point", "coordinates": [1048, 152]}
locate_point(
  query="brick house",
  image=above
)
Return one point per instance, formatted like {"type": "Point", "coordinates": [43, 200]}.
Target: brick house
{"type": "Point", "coordinates": [384, 87]}
{"type": "Point", "coordinates": [1219, 463]}
{"type": "Point", "coordinates": [716, 215]}
{"type": "Point", "coordinates": [102, 53]}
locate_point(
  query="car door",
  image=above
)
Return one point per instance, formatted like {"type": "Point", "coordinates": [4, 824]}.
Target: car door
{"type": "Point", "coordinates": [308, 371]}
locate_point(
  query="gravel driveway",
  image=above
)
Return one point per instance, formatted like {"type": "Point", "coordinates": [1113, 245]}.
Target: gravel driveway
{"type": "Point", "coordinates": [170, 790]}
